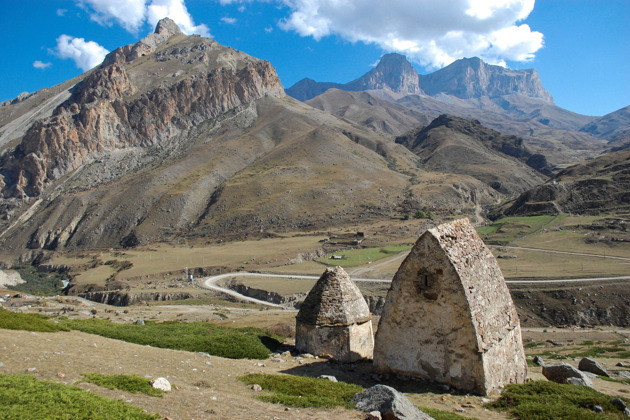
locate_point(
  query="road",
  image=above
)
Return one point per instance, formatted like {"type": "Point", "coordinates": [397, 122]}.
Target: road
{"type": "Point", "coordinates": [210, 283]}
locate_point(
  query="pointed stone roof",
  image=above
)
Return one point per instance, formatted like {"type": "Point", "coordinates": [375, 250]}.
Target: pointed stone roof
{"type": "Point", "coordinates": [334, 301]}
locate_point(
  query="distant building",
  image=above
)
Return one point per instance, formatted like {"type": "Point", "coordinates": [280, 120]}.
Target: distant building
{"type": "Point", "coordinates": [334, 319]}
{"type": "Point", "coordinates": [449, 317]}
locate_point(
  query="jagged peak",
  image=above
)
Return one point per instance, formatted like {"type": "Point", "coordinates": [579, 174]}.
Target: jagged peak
{"type": "Point", "coordinates": [167, 27]}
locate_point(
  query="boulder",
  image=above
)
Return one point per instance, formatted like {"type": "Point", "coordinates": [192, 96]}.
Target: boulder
{"type": "Point", "coordinates": [590, 365]}
{"type": "Point", "coordinates": [561, 372]}
{"type": "Point", "coordinates": [392, 404]}
{"type": "Point", "coordinates": [539, 361]}
{"type": "Point", "coordinates": [576, 381]}
{"type": "Point", "coordinates": [162, 384]}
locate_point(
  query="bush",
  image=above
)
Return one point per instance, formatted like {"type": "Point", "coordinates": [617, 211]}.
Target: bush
{"type": "Point", "coordinates": [299, 391]}
{"type": "Point", "coordinates": [27, 322]}
{"type": "Point", "coordinates": [543, 400]}
{"type": "Point", "coordinates": [129, 383]}
{"type": "Point", "coordinates": [233, 343]}
{"type": "Point", "coordinates": [24, 397]}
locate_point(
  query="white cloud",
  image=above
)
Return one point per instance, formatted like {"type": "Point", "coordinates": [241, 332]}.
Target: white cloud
{"type": "Point", "coordinates": [61, 12]}
{"type": "Point", "coordinates": [86, 54]}
{"type": "Point", "coordinates": [133, 14]}
{"type": "Point", "coordinates": [269, 29]}
{"type": "Point", "coordinates": [176, 10]}
{"type": "Point", "coordinates": [429, 32]}
{"type": "Point", "coordinates": [228, 20]}
{"type": "Point", "coordinates": [129, 14]}
{"type": "Point", "coordinates": [41, 65]}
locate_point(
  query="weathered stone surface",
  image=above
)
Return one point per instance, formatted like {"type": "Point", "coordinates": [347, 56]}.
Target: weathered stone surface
{"type": "Point", "coordinates": [451, 311]}
{"type": "Point", "coordinates": [577, 381]}
{"type": "Point", "coordinates": [539, 361]}
{"type": "Point", "coordinates": [390, 403]}
{"type": "Point", "coordinates": [162, 384]}
{"type": "Point", "coordinates": [561, 372]}
{"type": "Point", "coordinates": [334, 319]}
{"type": "Point", "coordinates": [589, 365]}
{"type": "Point", "coordinates": [112, 109]}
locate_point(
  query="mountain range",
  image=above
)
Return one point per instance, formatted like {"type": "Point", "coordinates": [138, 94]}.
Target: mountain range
{"type": "Point", "coordinates": [179, 137]}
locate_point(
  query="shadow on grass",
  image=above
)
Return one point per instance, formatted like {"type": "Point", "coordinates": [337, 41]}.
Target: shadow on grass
{"type": "Point", "coordinates": [362, 373]}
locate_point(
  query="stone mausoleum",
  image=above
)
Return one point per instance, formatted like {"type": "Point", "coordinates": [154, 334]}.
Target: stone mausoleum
{"type": "Point", "coordinates": [334, 319]}
{"type": "Point", "coordinates": [449, 317]}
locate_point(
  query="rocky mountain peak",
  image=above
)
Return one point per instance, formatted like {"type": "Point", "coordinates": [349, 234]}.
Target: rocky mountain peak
{"type": "Point", "coordinates": [472, 78]}
{"type": "Point", "coordinates": [393, 72]}
{"type": "Point", "coordinates": [167, 27]}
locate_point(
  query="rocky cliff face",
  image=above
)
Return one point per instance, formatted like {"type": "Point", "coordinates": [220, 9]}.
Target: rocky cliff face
{"type": "Point", "coordinates": [107, 111]}
{"type": "Point", "coordinates": [393, 72]}
{"type": "Point", "coordinates": [467, 78]}
{"type": "Point", "coordinates": [472, 78]}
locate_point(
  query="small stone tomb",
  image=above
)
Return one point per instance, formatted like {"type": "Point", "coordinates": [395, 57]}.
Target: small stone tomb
{"type": "Point", "coordinates": [449, 317]}
{"type": "Point", "coordinates": [334, 319]}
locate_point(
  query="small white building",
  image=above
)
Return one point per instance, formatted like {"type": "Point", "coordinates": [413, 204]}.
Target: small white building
{"type": "Point", "coordinates": [334, 319]}
{"type": "Point", "coordinates": [449, 317]}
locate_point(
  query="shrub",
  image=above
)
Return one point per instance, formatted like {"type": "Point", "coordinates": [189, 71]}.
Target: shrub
{"type": "Point", "coordinates": [24, 397]}
{"type": "Point", "coordinates": [129, 383]}
{"type": "Point", "coordinates": [233, 343]}
{"type": "Point", "coordinates": [543, 400]}
{"type": "Point", "coordinates": [27, 322]}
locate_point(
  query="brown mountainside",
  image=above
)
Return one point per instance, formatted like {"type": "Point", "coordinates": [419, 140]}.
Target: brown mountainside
{"type": "Point", "coordinates": [601, 185]}
{"type": "Point", "coordinates": [456, 145]}
{"type": "Point", "coordinates": [179, 137]}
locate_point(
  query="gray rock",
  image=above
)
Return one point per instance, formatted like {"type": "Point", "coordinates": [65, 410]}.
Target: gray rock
{"type": "Point", "coordinates": [390, 403]}
{"type": "Point", "coordinates": [598, 409]}
{"type": "Point", "coordinates": [329, 377]}
{"type": "Point", "coordinates": [589, 365]}
{"type": "Point", "coordinates": [619, 403]}
{"type": "Point", "coordinates": [140, 322]}
{"type": "Point", "coordinates": [623, 364]}
{"type": "Point", "coordinates": [539, 361]}
{"type": "Point", "coordinates": [576, 381]}
{"type": "Point", "coordinates": [561, 372]}
{"type": "Point", "coordinates": [623, 374]}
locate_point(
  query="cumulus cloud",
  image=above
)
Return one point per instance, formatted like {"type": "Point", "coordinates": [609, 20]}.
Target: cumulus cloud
{"type": "Point", "coordinates": [228, 20]}
{"type": "Point", "coordinates": [41, 65]}
{"type": "Point", "coordinates": [176, 10]}
{"type": "Point", "coordinates": [61, 12]}
{"type": "Point", "coordinates": [129, 14]}
{"type": "Point", "coordinates": [85, 54]}
{"type": "Point", "coordinates": [429, 32]}
{"type": "Point", "coordinates": [133, 14]}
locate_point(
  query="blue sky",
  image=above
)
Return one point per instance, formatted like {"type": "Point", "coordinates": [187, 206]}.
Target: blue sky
{"type": "Point", "coordinates": [579, 47]}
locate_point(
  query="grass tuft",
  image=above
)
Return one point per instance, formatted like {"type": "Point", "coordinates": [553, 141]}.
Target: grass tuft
{"type": "Point", "coordinates": [129, 383]}
{"type": "Point", "coordinates": [233, 343]}
{"type": "Point", "coordinates": [24, 397]}
{"type": "Point", "coordinates": [27, 322]}
{"type": "Point", "coordinates": [300, 391]}
{"type": "Point", "coordinates": [544, 400]}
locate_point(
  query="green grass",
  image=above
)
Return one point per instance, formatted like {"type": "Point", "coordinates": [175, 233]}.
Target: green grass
{"type": "Point", "coordinates": [233, 343]}
{"type": "Point", "coordinates": [24, 397]}
{"type": "Point", "coordinates": [38, 283]}
{"type": "Point", "coordinates": [27, 322]}
{"type": "Point", "coordinates": [129, 383]}
{"type": "Point", "coordinates": [508, 229]}
{"type": "Point", "coordinates": [544, 400]}
{"type": "Point", "coordinates": [300, 391]}
{"type": "Point", "coordinates": [356, 257]}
